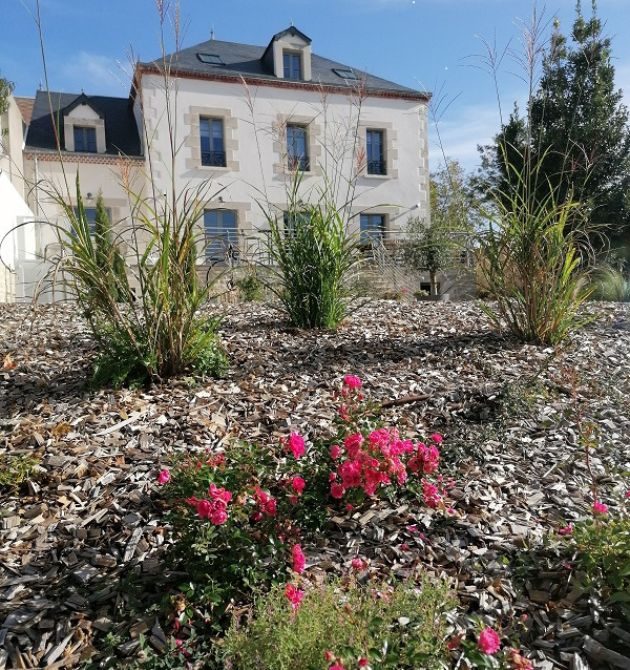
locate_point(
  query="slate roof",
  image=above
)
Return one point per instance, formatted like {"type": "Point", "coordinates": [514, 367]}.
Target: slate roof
{"type": "Point", "coordinates": [247, 60]}
{"type": "Point", "coordinates": [121, 132]}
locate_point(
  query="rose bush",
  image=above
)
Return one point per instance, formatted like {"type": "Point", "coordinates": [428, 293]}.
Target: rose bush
{"type": "Point", "coordinates": [239, 516]}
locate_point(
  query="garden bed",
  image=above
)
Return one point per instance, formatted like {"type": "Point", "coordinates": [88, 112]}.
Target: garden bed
{"type": "Point", "coordinates": [84, 544]}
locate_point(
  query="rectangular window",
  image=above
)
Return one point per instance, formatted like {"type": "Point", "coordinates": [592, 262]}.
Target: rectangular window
{"type": "Point", "coordinates": [212, 144]}
{"type": "Point", "coordinates": [90, 216]}
{"type": "Point", "coordinates": [84, 139]}
{"type": "Point", "coordinates": [375, 140]}
{"type": "Point", "coordinates": [292, 65]}
{"type": "Point", "coordinates": [221, 235]}
{"type": "Point", "coordinates": [372, 228]}
{"type": "Point", "coordinates": [292, 220]}
{"type": "Point", "coordinates": [297, 148]}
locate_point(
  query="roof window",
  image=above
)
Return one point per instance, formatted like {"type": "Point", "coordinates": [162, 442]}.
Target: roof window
{"type": "Point", "coordinates": [210, 59]}
{"type": "Point", "coordinates": [345, 73]}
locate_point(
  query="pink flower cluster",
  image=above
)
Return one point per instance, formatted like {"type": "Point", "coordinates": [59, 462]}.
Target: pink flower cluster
{"type": "Point", "coordinates": [266, 504]}
{"type": "Point", "coordinates": [379, 459]}
{"type": "Point", "coordinates": [294, 596]}
{"type": "Point", "coordinates": [213, 508]}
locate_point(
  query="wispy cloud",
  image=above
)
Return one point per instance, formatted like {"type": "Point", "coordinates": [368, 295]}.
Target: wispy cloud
{"type": "Point", "coordinates": [95, 73]}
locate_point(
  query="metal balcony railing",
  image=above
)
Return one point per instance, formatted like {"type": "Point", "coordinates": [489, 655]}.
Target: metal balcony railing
{"type": "Point", "coordinates": [377, 167]}
{"type": "Point", "coordinates": [213, 158]}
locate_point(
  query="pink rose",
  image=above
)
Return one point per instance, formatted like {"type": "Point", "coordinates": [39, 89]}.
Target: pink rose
{"type": "Point", "coordinates": [336, 491]}
{"type": "Point", "coordinates": [297, 445]}
{"type": "Point", "coordinates": [299, 560]}
{"type": "Point", "coordinates": [437, 438]}
{"type": "Point", "coordinates": [567, 530]}
{"type": "Point", "coordinates": [298, 484]}
{"type": "Point", "coordinates": [164, 477]}
{"type": "Point", "coordinates": [489, 641]}
{"type": "Point", "coordinates": [352, 382]}
{"type": "Point", "coordinates": [335, 451]}
{"type": "Point", "coordinates": [600, 508]}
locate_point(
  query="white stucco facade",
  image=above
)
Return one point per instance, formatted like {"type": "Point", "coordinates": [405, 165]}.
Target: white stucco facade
{"type": "Point", "coordinates": [256, 173]}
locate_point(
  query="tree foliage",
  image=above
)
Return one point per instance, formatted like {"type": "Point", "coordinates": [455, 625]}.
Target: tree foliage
{"type": "Point", "coordinates": [6, 88]}
{"type": "Point", "coordinates": [576, 129]}
{"type": "Point", "coordinates": [432, 247]}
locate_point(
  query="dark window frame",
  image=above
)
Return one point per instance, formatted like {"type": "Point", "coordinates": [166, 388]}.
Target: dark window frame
{"type": "Point", "coordinates": [375, 152]}
{"type": "Point", "coordinates": [88, 141]}
{"type": "Point", "coordinates": [212, 155]}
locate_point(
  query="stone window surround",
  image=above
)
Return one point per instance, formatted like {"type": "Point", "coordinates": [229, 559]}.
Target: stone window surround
{"type": "Point", "coordinates": [294, 44]}
{"type": "Point", "coordinates": [230, 138]}
{"type": "Point", "coordinates": [69, 122]}
{"type": "Point", "coordinates": [280, 149]}
{"type": "Point", "coordinates": [390, 137]}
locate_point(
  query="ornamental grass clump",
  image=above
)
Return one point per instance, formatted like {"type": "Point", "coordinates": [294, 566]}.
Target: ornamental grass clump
{"type": "Point", "coordinates": [314, 259]}
{"type": "Point", "coordinates": [345, 626]}
{"type": "Point", "coordinates": [145, 307]}
{"type": "Point", "coordinates": [534, 262]}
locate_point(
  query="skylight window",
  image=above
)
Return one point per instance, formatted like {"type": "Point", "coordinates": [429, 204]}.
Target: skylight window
{"type": "Point", "coordinates": [210, 59]}
{"type": "Point", "coordinates": [345, 73]}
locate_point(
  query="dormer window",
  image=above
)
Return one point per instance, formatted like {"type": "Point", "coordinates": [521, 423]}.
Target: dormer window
{"type": "Point", "coordinates": [85, 139]}
{"type": "Point", "coordinates": [292, 65]}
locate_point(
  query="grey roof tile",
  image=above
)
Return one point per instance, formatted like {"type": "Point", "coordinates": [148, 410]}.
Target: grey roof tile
{"type": "Point", "coordinates": [246, 60]}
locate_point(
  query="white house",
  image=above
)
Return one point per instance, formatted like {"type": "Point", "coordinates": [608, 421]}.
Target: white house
{"type": "Point", "coordinates": [18, 244]}
{"type": "Point", "coordinates": [245, 117]}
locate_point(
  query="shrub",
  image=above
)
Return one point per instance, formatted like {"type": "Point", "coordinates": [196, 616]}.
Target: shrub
{"type": "Point", "coordinates": [16, 468]}
{"type": "Point", "coordinates": [602, 552]}
{"type": "Point", "coordinates": [532, 264]}
{"type": "Point", "coordinates": [314, 258]}
{"type": "Point", "coordinates": [238, 514]}
{"type": "Point", "coordinates": [388, 627]}
{"type": "Point", "coordinates": [158, 331]}
{"type": "Point", "coordinates": [250, 288]}
{"type": "Point", "coordinates": [611, 285]}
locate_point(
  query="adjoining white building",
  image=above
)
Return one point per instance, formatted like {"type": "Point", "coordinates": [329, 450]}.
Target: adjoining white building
{"type": "Point", "coordinates": [245, 117]}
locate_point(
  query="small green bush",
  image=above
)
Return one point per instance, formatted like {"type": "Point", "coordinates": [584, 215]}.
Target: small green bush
{"type": "Point", "coordinates": [400, 627]}
{"type": "Point", "coordinates": [611, 285]}
{"type": "Point", "coordinates": [250, 288]}
{"type": "Point", "coordinates": [16, 468]}
{"type": "Point", "coordinates": [603, 554]}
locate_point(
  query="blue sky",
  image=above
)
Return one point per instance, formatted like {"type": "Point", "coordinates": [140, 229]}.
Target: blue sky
{"type": "Point", "coordinates": [428, 44]}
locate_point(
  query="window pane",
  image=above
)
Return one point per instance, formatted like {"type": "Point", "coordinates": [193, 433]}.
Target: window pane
{"type": "Point", "coordinates": [375, 152]}
{"type": "Point", "coordinates": [84, 139]}
{"type": "Point", "coordinates": [297, 148]}
{"type": "Point", "coordinates": [221, 234]}
{"type": "Point", "coordinates": [372, 228]}
{"type": "Point", "coordinates": [212, 144]}
{"type": "Point", "coordinates": [292, 66]}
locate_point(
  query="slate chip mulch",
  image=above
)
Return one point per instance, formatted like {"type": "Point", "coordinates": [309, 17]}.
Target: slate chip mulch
{"type": "Point", "coordinates": [82, 545]}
